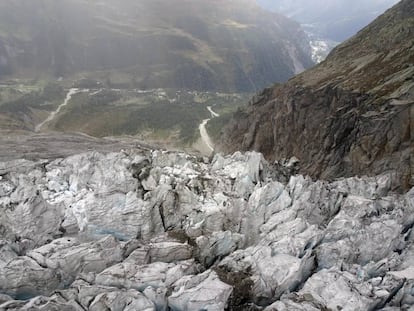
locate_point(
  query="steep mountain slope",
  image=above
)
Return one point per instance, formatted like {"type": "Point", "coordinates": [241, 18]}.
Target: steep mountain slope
{"type": "Point", "coordinates": [350, 115]}
{"type": "Point", "coordinates": [336, 20]}
{"type": "Point", "coordinates": [204, 45]}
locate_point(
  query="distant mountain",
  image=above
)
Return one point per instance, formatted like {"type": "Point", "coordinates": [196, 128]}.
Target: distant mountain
{"type": "Point", "coordinates": [193, 44]}
{"type": "Point", "coordinates": [351, 115]}
{"type": "Point", "coordinates": [335, 20]}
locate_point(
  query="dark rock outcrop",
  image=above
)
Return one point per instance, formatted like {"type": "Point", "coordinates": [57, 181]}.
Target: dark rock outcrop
{"type": "Point", "coordinates": [351, 115]}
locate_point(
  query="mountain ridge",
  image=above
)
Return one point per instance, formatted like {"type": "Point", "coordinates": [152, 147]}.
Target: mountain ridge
{"type": "Point", "coordinates": [350, 115]}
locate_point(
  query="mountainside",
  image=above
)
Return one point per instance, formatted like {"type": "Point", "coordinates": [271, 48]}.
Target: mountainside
{"type": "Point", "coordinates": [335, 20]}
{"type": "Point", "coordinates": [193, 44]}
{"type": "Point", "coordinates": [350, 115]}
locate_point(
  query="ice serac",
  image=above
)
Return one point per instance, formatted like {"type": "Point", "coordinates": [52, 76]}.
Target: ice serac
{"type": "Point", "coordinates": [158, 230]}
{"type": "Point", "coordinates": [350, 115]}
{"type": "Point", "coordinates": [202, 292]}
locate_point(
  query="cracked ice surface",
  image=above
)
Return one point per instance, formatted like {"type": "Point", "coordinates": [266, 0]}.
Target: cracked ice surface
{"type": "Point", "coordinates": [163, 230]}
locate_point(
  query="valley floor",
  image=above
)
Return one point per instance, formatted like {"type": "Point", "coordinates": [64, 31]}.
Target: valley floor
{"type": "Point", "coordinates": [165, 118]}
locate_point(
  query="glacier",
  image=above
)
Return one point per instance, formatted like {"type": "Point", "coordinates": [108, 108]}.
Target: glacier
{"type": "Point", "coordinates": [161, 230]}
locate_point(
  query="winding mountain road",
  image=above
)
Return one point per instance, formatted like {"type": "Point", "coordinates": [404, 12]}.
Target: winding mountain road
{"type": "Point", "coordinates": [205, 138]}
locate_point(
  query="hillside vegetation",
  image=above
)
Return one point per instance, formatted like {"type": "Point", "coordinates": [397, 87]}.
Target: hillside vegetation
{"type": "Point", "coordinates": [182, 44]}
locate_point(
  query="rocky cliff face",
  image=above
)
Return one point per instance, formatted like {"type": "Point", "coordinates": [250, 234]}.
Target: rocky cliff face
{"type": "Point", "coordinates": [155, 230]}
{"type": "Point", "coordinates": [351, 115]}
{"type": "Point", "coordinates": [200, 45]}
